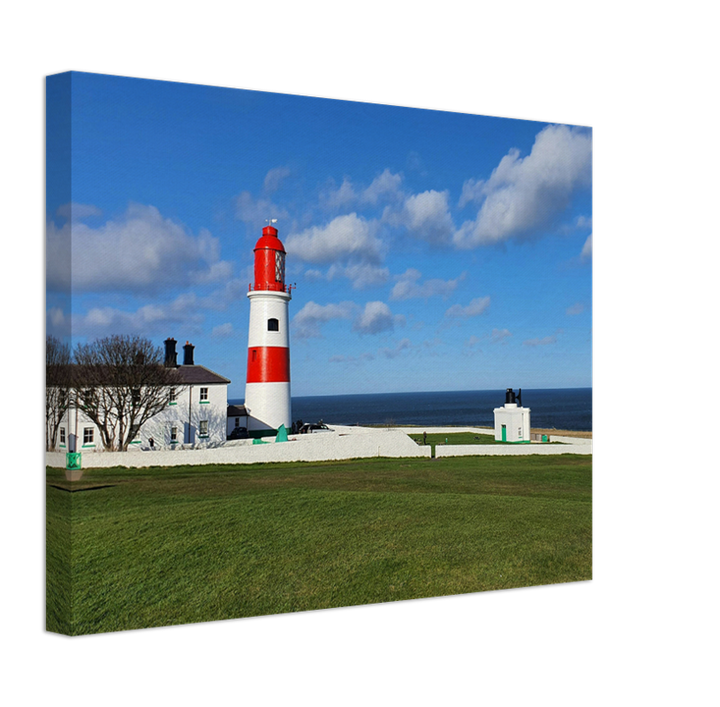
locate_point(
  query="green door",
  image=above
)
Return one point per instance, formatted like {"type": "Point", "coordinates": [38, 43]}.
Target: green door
{"type": "Point", "coordinates": [504, 434]}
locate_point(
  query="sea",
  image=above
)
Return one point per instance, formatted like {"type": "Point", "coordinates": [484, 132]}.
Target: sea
{"type": "Point", "coordinates": [561, 408]}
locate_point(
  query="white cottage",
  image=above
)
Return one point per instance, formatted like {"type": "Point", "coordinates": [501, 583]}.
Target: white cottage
{"type": "Point", "coordinates": [197, 416]}
{"type": "Point", "coordinates": [237, 420]}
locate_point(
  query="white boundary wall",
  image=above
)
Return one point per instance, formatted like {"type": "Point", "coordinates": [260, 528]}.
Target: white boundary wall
{"type": "Point", "coordinates": [477, 450]}
{"type": "Point", "coordinates": [342, 443]}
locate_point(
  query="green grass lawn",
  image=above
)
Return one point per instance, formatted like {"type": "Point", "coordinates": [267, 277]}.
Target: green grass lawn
{"type": "Point", "coordinates": [163, 546]}
{"type": "Point", "coordinates": [433, 439]}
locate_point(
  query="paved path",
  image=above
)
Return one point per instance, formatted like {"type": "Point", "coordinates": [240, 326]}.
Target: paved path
{"type": "Point", "coordinates": [344, 442]}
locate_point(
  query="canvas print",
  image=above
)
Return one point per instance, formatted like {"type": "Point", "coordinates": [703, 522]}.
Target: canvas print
{"type": "Point", "coordinates": [306, 353]}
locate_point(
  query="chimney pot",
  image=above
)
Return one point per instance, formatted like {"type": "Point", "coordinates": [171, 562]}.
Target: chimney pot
{"type": "Point", "coordinates": [170, 353]}
{"type": "Point", "coordinates": [188, 358]}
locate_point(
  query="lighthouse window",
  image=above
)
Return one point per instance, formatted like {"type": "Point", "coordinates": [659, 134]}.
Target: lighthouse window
{"type": "Point", "coordinates": [279, 266]}
{"type": "Point", "coordinates": [273, 325]}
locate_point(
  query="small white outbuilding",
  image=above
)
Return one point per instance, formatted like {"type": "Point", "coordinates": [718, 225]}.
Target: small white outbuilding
{"type": "Point", "coordinates": [512, 421]}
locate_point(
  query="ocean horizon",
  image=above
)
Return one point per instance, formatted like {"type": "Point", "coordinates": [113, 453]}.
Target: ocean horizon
{"type": "Point", "coordinates": [559, 408]}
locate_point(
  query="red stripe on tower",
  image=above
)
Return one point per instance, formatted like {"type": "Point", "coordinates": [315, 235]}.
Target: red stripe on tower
{"type": "Point", "coordinates": [270, 364]}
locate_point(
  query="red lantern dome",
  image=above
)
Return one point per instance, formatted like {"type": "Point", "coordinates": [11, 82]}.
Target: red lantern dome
{"type": "Point", "coordinates": [269, 261]}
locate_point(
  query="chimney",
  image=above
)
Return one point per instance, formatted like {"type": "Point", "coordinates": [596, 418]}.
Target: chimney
{"type": "Point", "coordinates": [188, 359]}
{"type": "Point", "coordinates": [170, 353]}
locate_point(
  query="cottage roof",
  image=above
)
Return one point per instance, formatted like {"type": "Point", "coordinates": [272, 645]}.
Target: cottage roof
{"type": "Point", "coordinates": [236, 411]}
{"type": "Point", "coordinates": [194, 375]}
{"type": "Point", "coordinates": [78, 376]}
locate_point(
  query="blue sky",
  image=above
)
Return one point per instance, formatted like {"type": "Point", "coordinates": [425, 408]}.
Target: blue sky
{"type": "Point", "coordinates": [431, 250]}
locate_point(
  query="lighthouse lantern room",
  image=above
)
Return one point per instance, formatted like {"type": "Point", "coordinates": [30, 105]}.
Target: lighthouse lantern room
{"type": "Point", "coordinates": [267, 388]}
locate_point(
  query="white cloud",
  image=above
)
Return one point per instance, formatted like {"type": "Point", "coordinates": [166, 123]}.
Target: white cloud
{"type": "Point", "coordinates": [307, 322]}
{"type": "Point", "coordinates": [472, 191]}
{"type": "Point", "coordinates": [57, 322]}
{"type": "Point", "coordinates": [415, 163]}
{"type": "Point", "coordinates": [472, 342]}
{"type": "Point", "coordinates": [540, 342]}
{"type": "Point", "coordinates": [577, 308]}
{"type": "Point", "coordinates": [427, 216]}
{"type": "Point", "coordinates": [385, 187]}
{"type": "Point", "coordinates": [56, 317]}
{"type": "Point", "coordinates": [471, 346]}
{"type": "Point", "coordinates": [254, 212]}
{"type": "Point", "coordinates": [77, 212]}
{"type": "Point", "coordinates": [499, 336]}
{"type": "Point", "coordinates": [376, 318]}
{"type": "Point", "coordinates": [313, 275]}
{"type": "Point", "coordinates": [349, 244]}
{"type": "Point", "coordinates": [394, 352]}
{"type": "Point", "coordinates": [586, 252]}
{"type": "Point", "coordinates": [526, 193]}
{"type": "Point", "coordinates": [223, 331]}
{"type": "Point", "coordinates": [351, 359]}
{"type": "Point", "coordinates": [345, 237]}
{"type": "Point", "coordinates": [409, 286]}
{"type": "Point", "coordinates": [474, 309]}
{"type": "Point", "coordinates": [234, 290]}
{"type": "Point", "coordinates": [362, 275]}
{"type": "Point", "coordinates": [139, 252]}
{"type": "Point", "coordinates": [148, 320]}
{"type": "Point", "coordinates": [58, 258]}
{"type": "Point", "coordinates": [274, 178]}
{"type": "Point", "coordinates": [337, 197]}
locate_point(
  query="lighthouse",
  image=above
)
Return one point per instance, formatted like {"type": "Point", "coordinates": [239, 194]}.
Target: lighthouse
{"type": "Point", "coordinates": [267, 390]}
{"type": "Point", "coordinates": [512, 421]}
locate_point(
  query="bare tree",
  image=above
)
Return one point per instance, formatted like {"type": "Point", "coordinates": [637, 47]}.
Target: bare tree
{"type": "Point", "coordinates": [121, 383]}
{"type": "Point", "coordinates": [57, 387]}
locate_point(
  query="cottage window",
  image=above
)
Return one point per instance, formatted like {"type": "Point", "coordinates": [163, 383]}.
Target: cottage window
{"type": "Point", "coordinates": [173, 434]}
{"type": "Point", "coordinates": [237, 422]}
{"type": "Point", "coordinates": [203, 428]}
{"type": "Point", "coordinates": [88, 435]}
{"type": "Point", "coordinates": [203, 394]}
{"type": "Point", "coordinates": [172, 397]}
{"type": "Point", "coordinates": [62, 435]}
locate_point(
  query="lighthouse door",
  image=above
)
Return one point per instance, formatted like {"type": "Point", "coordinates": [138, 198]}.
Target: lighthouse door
{"type": "Point", "coordinates": [504, 433]}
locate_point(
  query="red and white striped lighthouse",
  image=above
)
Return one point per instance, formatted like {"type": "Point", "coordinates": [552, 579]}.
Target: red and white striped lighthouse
{"type": "Point", "coordinates": [267, 390]}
